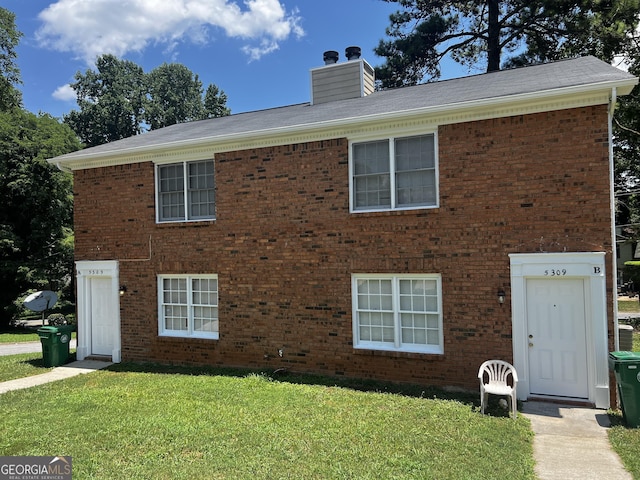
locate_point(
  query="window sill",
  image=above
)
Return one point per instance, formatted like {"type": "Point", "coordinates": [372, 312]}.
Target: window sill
{"type": "Point", "coordinates": [395, 211]}
{"type": "Point", "coordinates": [186, 223]}
{"type": "Point", "coordinates": [189, 337]}
{"type": "Point", "coordinates": [370, 352]}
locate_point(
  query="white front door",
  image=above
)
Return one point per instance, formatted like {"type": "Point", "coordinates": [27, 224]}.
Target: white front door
{"type": "Point", "coordinates": [98, 309]}
{"type": "Point", "coordinates": [103, 317]}
{"type": "Point", "coordinates": [556, 333]}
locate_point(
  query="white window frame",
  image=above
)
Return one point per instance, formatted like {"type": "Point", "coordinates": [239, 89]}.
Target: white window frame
{"type": "Point", "coordinates": [185, 192]}
{"type": "Point", "coordinates": [190, 332]}
{"type": "Point", "coordinates": [396, 345]}
{"type": "Point", "coordinates": [392, 173]}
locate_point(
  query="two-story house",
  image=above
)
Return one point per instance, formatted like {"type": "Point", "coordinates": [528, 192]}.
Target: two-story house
{"type": "Point", "coordinates": [406, 235]}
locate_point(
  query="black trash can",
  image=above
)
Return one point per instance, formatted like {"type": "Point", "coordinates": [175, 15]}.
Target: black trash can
{"type": "Point", "coordinates": [626, 366]}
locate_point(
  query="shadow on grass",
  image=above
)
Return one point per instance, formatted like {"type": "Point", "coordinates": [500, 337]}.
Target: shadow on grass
{"type": "Point", "coordinates": [472, 399]}
{"type": "Point", "coordinates": [39, 362]}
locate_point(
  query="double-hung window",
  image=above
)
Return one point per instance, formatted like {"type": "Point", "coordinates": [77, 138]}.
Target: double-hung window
{"type": "Point", "coordinates": [188, 306]}
{"type": "Point", "coordinates": [398, 313]}
{"type": "Point", "coordinates": [185, 191]}
{"type": "Point", "coordinates": [394, 174]}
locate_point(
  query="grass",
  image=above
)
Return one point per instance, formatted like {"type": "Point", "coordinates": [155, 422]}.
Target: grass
{"type": "Point", "coordinates": [27, 364]}
{"type": "Point", "coordinates": [19, 366]}
{"type": "Point", "coordinates": [131, 421]}
{"type": "Point", "coordinates": [22, 335]}
{"type": "Point", "coordinates": [628, 306]}
{"type": "Point", "coordinates": [19, 335]}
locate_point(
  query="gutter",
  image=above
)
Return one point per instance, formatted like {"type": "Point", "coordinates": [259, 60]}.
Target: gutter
{"type": "Point", "coordinates": [306, 128]}
{"type": "Point", "coordinates": [63, 168]}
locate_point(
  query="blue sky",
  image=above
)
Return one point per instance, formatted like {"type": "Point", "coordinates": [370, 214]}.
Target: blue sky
{"type": "Point", "coordinates": [258, 51]}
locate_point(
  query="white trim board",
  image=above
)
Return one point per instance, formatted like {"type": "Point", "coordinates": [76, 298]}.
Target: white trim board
{"type": "Point", "coordinates": [589, 266]}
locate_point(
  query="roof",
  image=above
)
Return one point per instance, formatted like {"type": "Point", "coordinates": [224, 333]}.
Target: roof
{"type": "Point", "coordinates": [485, 95]}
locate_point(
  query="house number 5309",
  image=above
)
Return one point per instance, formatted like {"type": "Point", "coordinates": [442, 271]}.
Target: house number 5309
{"type": "Point", "coordinates": [555, 272]}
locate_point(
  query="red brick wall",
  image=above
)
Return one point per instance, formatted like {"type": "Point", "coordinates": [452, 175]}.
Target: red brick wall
{"type": "Point", "coordinates": [285, 245]}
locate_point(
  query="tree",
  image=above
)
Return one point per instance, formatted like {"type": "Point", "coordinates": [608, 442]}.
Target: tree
{"type": "Point", "coordinates": [9, 72]}
{"type": "Point", "coordinates": [215, 102]}
{"type": "Point", "coordinates": [120, 100]}
{"type": "Point", "coordinates": [111, 101]}
{"type": "Point", "coordinates": [175, 96]}
{"type": "Point", "coordinates": [423, 32]}
{"type": "Point", "coordinates": [36, 238]}
{"type": "Point", "coordinates": [627, 152]}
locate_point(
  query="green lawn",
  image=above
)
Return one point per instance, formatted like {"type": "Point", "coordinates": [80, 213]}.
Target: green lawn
{"type": "Point", "coordinates": [199, 424]}
{"type": "Point", "coordinates": [19, 366]}
{"type": "Point", "coordinates": [19, 335]}
{"type": "Point", "coordinates": [628, 306]}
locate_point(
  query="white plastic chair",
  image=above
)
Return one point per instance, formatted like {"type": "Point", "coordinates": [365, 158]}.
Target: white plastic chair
{"type": "Point", "coordinates": [496, 373]}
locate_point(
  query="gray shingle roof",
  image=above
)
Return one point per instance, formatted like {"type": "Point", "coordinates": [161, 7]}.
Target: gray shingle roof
{"type": "Point", "coordinates": [562, 75]}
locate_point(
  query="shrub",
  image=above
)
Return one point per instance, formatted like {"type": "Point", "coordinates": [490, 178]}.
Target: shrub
{"type": "Point", "coordinates": [631, 274]}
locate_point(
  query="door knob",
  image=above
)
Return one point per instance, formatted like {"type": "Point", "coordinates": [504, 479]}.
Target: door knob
{"type": "Point", "coordinates": [530, 344]}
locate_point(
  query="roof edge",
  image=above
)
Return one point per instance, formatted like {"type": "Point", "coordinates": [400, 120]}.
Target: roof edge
{"type": "Point", "coordinates": [509, 105]}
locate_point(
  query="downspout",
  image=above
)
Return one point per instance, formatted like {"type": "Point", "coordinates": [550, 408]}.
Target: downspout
{"type": "Point", "coordinates": [612, 106]}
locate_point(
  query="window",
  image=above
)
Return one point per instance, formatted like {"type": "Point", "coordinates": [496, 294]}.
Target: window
{"type": "Point", "coordinates": [396, 173]}
{"type": "Point", "coordinates": [188, 306]}
{"type": "Point", "coordinates": [397, 313]}
{"type": "Point", "coordinates": [186, 191]}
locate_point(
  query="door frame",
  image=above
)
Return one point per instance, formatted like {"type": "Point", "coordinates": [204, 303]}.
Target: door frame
{"type": "Point", "coordinates": [589, 266]}
{"type": "Point", "coordinates": [85, 271]}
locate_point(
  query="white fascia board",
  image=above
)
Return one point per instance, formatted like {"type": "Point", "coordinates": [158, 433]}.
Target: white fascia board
{"type": "Point", "coordinates": [495, 107]}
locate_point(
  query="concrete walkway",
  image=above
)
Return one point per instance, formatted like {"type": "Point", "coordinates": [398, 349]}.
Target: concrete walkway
{"type": "Point", "coordinates": [58, 373]}
{"type": "Point", "coordinates": [571, 443]}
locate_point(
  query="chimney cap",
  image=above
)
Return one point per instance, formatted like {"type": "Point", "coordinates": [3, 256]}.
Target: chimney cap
{"type": "Point", "coordinates": [353, 53]}
{"type": "Point", "coordinates": [330, 56]}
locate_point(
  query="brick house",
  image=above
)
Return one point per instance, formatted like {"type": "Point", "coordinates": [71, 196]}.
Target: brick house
{"type": "Point", "coordinates": [406, 235]}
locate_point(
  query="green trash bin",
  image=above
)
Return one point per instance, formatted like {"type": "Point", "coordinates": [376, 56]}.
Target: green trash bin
{"type": "Point", "coordinates": [55, 344]}
{"type": "Point", "coordinates": [626, 366]}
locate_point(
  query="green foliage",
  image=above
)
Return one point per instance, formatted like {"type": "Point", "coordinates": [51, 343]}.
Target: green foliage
{"type": "Point", "coordinates": [626, 127]}
{"type": "Point", "coordinates": [9, 72]}
{"type": "Point", "coordinates": [175, 95]}
{"type": "Point", "coordinates": [111, 101]}
{"type": "Point", "coordinates": [119, 100]}
{"type": "Point", "coordinates": [129, 424]}
{"type": "Point", "coordinates": [35, 206]}
{"type": "Point", "coordinates": [215, 102]}
{"type": "Point", "coordinates": [423, 32]}
{"type": "Point", "coordinates": [631, 272]}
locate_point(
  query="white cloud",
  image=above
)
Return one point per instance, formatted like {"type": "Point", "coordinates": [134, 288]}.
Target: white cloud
{"type": "Point", "coordinates": [92, 28]}
{"type": "Point", "coordinates": [64, 93]}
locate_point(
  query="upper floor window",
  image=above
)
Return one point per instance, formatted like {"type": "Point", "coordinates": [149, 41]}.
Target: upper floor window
{"type": "Point", "coordinates": [185, 191]}
{"type": "Point", "coordinates": [396, 173]}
